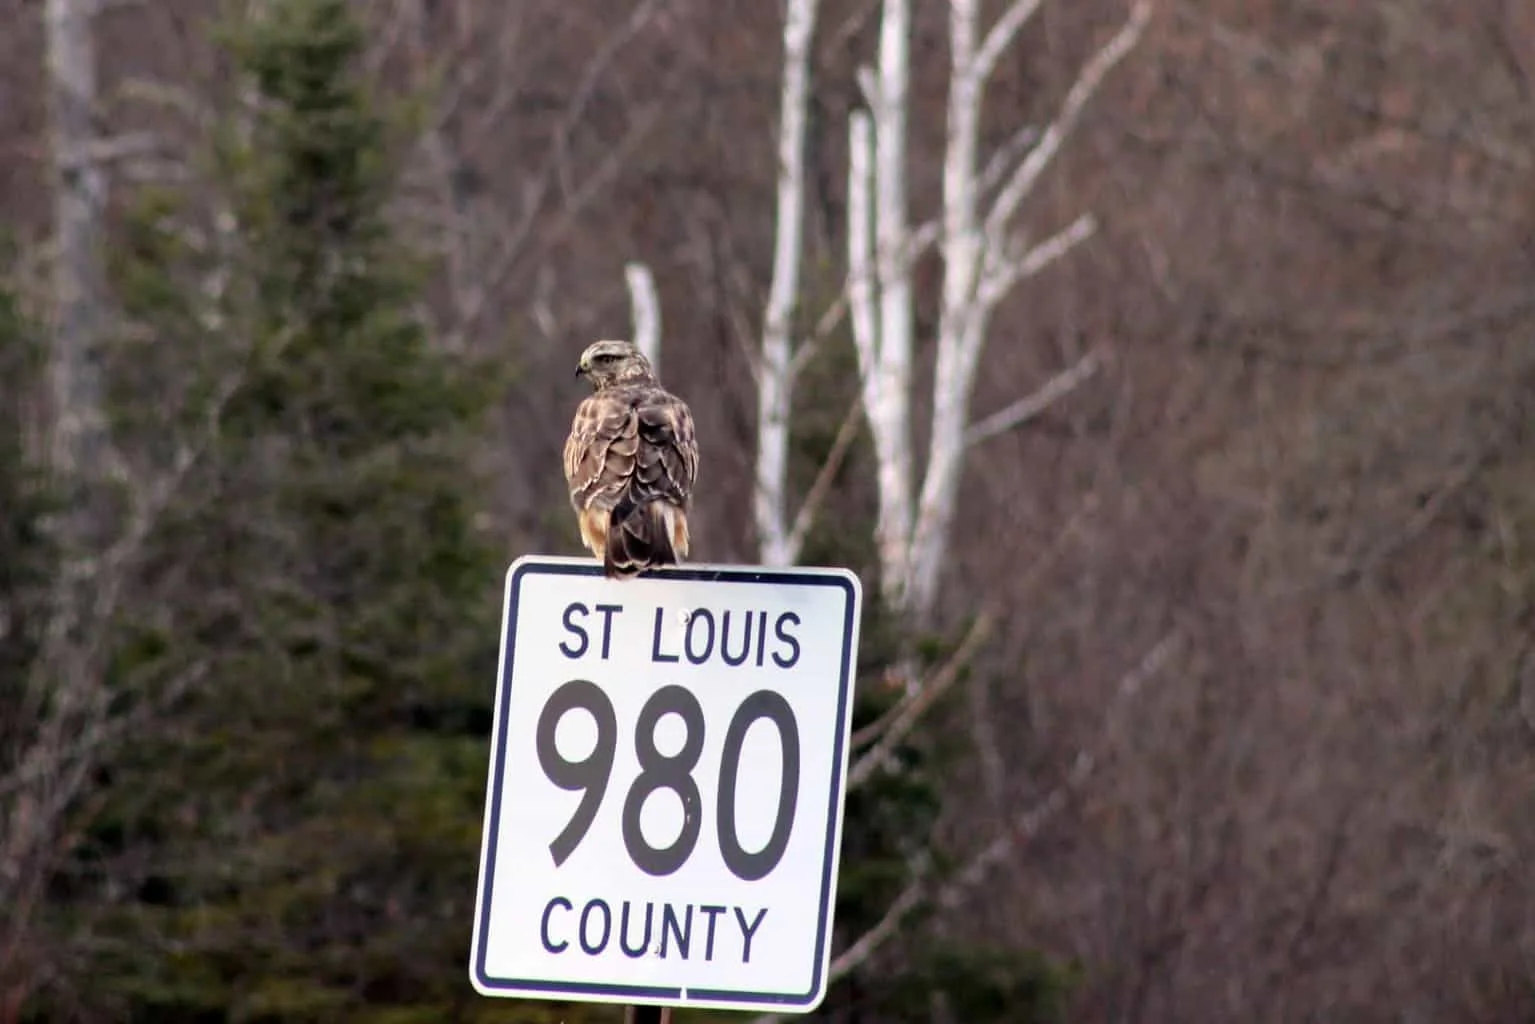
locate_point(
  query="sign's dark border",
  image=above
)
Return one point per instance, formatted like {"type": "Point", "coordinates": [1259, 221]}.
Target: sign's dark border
{"type": "Point", "coordinates": [676, 995]}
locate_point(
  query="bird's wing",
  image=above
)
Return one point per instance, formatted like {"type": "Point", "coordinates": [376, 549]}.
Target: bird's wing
{"type": "Point", "coordinates": [600, 452]}
{"type": "Point", "coordinates": [667, 462]}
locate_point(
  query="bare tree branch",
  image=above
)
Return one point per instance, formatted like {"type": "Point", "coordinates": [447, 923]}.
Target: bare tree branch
{"type": "Point", "coordinates": [1025, 827]}
{"type": "Point", "coordinates": [1004, 272]}
{"type": "Point", "coordinates": [1036, 402]}
{"type": "Point", "coordinates": [831, 318]}
{"type": "Point", "coordinates": [513, 237]}
{"type": "Point", "coordinates": [879, 727]}
{"type": "Point", "coordinates": [846, 433]}
{"type": "Point", "coordinates": [1082, 768]}
{"type": "Point", "coordinates": [1021, 183]}
{"type": "Point", "coordinates": [913, 707]}
{"type": "Point", "coordinates": [1001, 36]}
{"type": "Point", "coordinates": [885, 928]}
{"type": "Point", "coordinates": [1006, 156]}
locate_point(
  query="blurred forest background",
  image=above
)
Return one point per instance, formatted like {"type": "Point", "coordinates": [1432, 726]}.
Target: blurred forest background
{"type": "Point", "coordinates": [1162, 368]}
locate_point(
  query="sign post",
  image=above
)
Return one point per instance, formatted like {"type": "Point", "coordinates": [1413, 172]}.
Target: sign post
{"type": "Point", "coordinates": [663, 810]}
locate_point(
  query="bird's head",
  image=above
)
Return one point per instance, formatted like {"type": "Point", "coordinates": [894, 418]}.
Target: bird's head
{"type": "Point", "coordinates": [610, 363]}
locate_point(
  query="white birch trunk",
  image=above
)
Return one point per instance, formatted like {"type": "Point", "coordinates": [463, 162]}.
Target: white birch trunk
{"type": "Point", "coordinates": [886, 351]}
{"type": "Point", "coordinates": [983, 261]}
{"type": "Point", "coordinates": [961, 323]}
{"type": "Point", "coordinates": [890, 417]}
{"type": "Point", "coordinates": [777, 543]}
{"type": "Point", "coordinates": [66, 670]}
{"type": "Point", "coordinates": [862, 290]}
{"type": "Point", "coordinates": [645, 308]}
{"type": "Point", "coordinates": [78, 202]}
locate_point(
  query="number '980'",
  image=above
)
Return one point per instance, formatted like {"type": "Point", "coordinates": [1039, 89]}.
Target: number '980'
{"type": "Point", "coordinates": [590, 775]}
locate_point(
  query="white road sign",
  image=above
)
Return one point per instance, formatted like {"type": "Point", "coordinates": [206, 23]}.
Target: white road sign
{"type": "Point", "coordinates": [663, 813]}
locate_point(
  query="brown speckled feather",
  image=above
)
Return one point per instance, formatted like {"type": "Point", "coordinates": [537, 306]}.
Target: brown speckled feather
{"type": "Point", "coordinates": [631, 461]}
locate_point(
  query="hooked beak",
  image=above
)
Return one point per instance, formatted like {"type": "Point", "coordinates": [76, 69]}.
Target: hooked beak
{"type": "Point", "coordinates": [580, 371]}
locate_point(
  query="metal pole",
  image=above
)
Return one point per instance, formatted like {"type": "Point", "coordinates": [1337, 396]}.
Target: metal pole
{"type": "Point", "coordinates": [648, 1015]}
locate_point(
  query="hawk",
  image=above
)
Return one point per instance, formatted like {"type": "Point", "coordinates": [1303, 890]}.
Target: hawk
{"type": "Point", "coordinates": [630, 462]}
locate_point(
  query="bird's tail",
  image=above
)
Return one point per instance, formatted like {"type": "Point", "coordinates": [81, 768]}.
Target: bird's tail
{"type": "Point", "coordinates": [639, 538]}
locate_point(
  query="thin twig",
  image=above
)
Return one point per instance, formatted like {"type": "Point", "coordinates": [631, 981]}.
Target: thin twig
{"type": "Point", "coordinates": [1031, 405]}
{"type": "Point", "coordinates": [922, 698]}
{"type": "Point", "coordinates": [1026, 827]}
{"type": "Point", "coordinates": [923, 237]}
{"type": "Point", "coordinates": [1082, 768]}
{"type": "Point", "coordinates": [1023, 179]}
{"type": "Point", "coordinates": [1001, 36]}
{"type": "Point", "coordinates": [575, 113]}
{"type": "Point", "coordinates": [840, 446]}
{"type": "Point", "coordinates": [829, 321]}
{"type": "Point", "coordinates": [1036, 572]}
{"type": "Point", "coordinates": [1004, 268]}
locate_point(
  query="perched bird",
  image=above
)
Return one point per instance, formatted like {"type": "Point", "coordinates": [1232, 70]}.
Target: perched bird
{"type": "Point", "coordinates": [631, 460]}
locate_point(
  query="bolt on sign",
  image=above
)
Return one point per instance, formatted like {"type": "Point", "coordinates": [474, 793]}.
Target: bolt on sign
{"type": "Point", "coordinates": [663, 812]}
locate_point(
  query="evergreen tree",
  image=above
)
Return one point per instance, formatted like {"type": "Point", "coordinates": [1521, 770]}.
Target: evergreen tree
{"type": "Point", "coordinates": [25, 557]}
{"type": "Point", "coordinates": [296, 836]}
{"type": "Point", "coordinates": [27, 566]}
